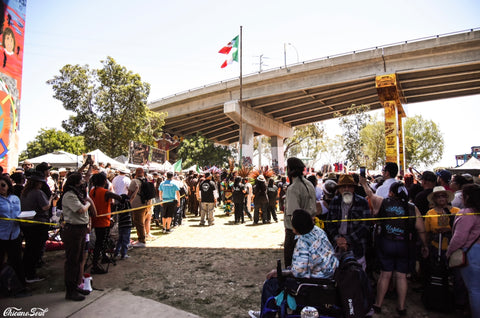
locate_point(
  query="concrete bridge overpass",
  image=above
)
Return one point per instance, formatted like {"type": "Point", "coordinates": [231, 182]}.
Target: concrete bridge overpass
{"type": "Point", "coordinates": [274, 101]}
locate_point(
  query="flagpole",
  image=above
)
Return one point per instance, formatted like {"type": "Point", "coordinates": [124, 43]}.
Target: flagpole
{"type": "Point", "coordinates": [240, 100]}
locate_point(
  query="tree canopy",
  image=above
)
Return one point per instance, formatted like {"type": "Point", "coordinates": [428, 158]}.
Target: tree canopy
{"type": "Point", "coordinates": [352, 123]}
{"type": "Point", "coordinates": [423, 142]}
{"type": "Point", "coordinates": [307, 141]}
{"type": "Point", "coordinates": [50, 140]}
{"type": "Point", "coordinates": [199, 150]}
{"type": "Point", "coordinates": [109, 106]}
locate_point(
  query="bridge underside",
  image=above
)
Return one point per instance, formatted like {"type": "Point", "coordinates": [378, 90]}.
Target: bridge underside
{"type": "Point", "coordinates": [320, 103]}
{"type": "Point", "coordinates": [425, 70]}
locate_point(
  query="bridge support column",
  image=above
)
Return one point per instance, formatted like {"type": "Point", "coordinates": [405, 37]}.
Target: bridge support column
{"type": "Point", "coordinates": [390, 96]}
{"type": "Point", "coordinates": [253, 121]}
{"type": "Point", "coordinates": [247, 145]}
{"type": "Point", "coordinates": [278, 160]}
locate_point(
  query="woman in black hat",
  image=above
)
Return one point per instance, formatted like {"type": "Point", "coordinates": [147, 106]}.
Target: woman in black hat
{"type": "Point", "coordinates": [34, 199]}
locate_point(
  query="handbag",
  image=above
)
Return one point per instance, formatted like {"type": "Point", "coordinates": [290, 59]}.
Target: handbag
{"type": "Point", "coordinates": [459, 257]}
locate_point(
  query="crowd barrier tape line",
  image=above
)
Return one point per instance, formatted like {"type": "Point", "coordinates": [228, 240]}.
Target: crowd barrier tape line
{"type": "Point", "coordinates": [396, 218]}
{"type": "Point", "coordinates": [324, 221]}
{"type": "Point", "coordinates": [112, 213]}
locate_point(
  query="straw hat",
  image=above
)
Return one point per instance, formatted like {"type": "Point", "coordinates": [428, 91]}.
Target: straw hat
{"type": "Point", "coordinates": [440, 189]}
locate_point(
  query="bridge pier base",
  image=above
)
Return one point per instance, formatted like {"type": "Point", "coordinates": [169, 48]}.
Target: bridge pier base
{"type": "Point", "coordinates": [278, 159]}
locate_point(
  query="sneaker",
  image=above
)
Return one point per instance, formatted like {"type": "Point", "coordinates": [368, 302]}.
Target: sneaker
{"type": "Point", "coordinates": [140, 244]}
{"type": "Point", "coordinates": [34, 280]}
{"type": "Point", "coordinates": [254, 314]}
{"type": "Point", "coordinates": [125, 256]}
{"type": "Point", "coordinates": [164, 231]}
{"type": "Point", "coordinates": [168, 231]}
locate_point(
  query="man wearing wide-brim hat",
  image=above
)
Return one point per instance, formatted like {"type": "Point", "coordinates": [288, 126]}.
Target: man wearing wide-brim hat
{"type": "Point", "coordinates": [352, 234]}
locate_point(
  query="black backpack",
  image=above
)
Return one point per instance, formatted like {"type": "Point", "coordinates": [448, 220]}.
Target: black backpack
{"type": "Point", "coordinates": [354, 289]}
{"type": "Point", "coordinates": [147, 191]}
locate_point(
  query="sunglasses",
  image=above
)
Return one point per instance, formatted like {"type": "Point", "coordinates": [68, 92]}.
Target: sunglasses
{"type": "Point", "coordinates": [441, 196]}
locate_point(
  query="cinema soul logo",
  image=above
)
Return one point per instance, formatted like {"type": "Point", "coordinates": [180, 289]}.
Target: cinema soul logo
{"type": "Point", "coordinates": [19, 312]}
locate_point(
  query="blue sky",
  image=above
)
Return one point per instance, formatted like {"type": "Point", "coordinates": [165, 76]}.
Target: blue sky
{"type": "Point", "coordinates": [173, 45]}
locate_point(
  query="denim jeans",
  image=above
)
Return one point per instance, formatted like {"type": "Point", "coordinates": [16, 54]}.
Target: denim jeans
{"type": "Point", "coordinates": [123, 241]}
{"type": "Point", "coordinates": [471, 274]}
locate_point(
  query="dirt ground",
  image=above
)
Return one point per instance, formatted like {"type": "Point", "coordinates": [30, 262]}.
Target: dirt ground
{"type": "Point", "coordinates": [215, 271]}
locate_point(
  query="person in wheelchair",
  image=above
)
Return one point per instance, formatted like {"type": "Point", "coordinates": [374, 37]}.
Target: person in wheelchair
{"type": "Point", "coordinates": [313, 257]}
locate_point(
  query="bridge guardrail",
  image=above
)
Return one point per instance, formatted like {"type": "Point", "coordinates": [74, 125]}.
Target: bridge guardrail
{"type": "Point", "coordinates": [321, 59]}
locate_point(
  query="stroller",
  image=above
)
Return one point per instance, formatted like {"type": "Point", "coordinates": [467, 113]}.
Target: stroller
{"type": "Point", "coordinates": [107, 251]}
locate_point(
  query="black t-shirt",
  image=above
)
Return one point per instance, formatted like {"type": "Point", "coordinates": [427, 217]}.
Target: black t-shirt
{"type": "Point", "coordinates": [421, 201]}
{"type": "Point", "coordinates": [396, 229]}
{"type": "Point", "coordinates": [206, 191]}
{"type": "Point", "coordinates": [272, 194]}
{"type": "Point", "coordinates": [238, 195]}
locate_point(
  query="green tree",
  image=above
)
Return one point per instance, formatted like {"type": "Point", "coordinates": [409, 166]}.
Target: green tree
{"type": "Point", "coordinates": [50, 140]}
{"type": "Point", "coordinates": [306, 141]}
{"type": "Point", "coordinates": [423, 142]}
{"type": "Point", "coordinates": [372, 137]}
{"type": "Point", "coordinates": [109, 106]}
{"type": "Point", "coordinates": [352, 122]}
{"type": "Point", "coordinates": [199, 150]}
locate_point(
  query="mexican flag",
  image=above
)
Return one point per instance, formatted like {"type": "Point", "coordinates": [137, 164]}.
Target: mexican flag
{"type": "Point", "coordinates": [232, 47]}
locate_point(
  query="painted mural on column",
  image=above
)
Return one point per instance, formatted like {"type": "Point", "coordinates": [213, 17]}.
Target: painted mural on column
{"type": "Point", "coordinates": [12, 32]}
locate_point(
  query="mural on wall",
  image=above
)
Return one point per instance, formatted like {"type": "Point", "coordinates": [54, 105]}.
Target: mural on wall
{"type": "Point", "coordinates": [12, 32]}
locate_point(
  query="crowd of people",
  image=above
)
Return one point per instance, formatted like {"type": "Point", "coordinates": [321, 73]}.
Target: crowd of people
{"type": "Point", "coordinates": [438, 205]}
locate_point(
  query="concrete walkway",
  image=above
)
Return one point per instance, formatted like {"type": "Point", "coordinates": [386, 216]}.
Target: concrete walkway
{"type": "Point", "coordinates": [109, 303]}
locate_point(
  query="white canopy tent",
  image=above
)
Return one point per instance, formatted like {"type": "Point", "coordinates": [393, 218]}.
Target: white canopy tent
{"type": "Point", "coordinates": [472, 166]}
{"type": "Point", "coordinates": [59, 159]}
{"type": "Point", "coordinates": [99, 156]}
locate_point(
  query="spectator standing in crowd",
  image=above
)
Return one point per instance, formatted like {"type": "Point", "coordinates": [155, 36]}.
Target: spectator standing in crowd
{"type": "Point", "coordinates": [282, 191]}
{"type": "Point", "coordinates": [101, 222]}
{"type": "Point", "coordinates": [169, 194]}
{"type": "Point", "coordinates": [77, 210]}
{"type": "Point", "coordinates": [353, 234]}
{"type": "Point", "coordinates": [34, 199]}
{"type": "Point", "coordinates": [121, 182]}
{"type": "Point", "coordinates": [456, 184]}
{"type": "Point", "coordinates": [389, 173]}
{"type": "Point", "coordinates": [466, 235]}
{"type": "Point", "coordinates": [395, 240]}
{"type": "Point", "coordinates": [443, 179]}
{"type": "Point", "coordinates": [138, 215]}
{"type": "Point", "coordinates": [206, 194]}
{"type": "Point", "coordinates": [10, 239]}
{"type": "Point", "coordinates": [300, 195]}
{"type": "Point", "coordinates": [429, 181]}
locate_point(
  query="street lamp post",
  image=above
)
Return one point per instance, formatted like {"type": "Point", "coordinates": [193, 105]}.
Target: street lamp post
{"type": "Point", "coordinates": [285, 53]}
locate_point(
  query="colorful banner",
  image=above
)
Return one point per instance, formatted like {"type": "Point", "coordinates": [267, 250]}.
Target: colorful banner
{"type": "Point", "coordinates": [12, 30]}
{"type": "Point", "coordinates": [138, 153]}
{"type": "Point", "coordinates": [391, 137]}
